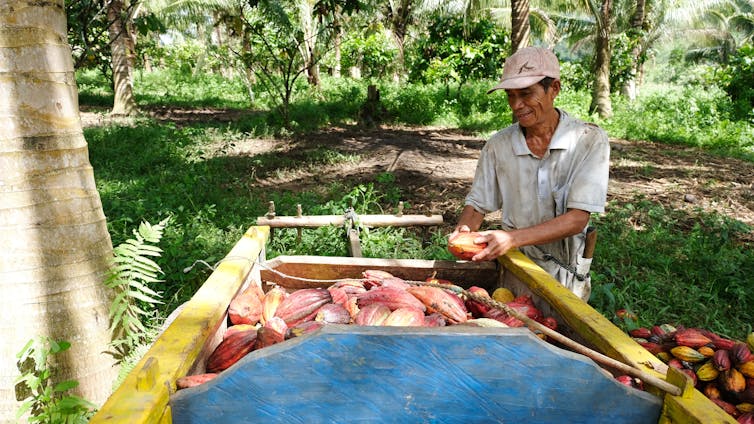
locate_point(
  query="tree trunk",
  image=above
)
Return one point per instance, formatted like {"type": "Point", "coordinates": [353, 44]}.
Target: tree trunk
{"type": "Point", "coordinates": [520, 28]}
{"type": "Point", "coordinates": [338, 39]}
{"type": "Point", "coordinates": [399, 18]}
{"type": "Point", "coordinates": [630, 87]}
{"type": "Point", "coordinates": [601, 90]}
{"type": "Point", "coordinates": [56, 246]}
{"type": "Point", "coordinates": [122, 51]}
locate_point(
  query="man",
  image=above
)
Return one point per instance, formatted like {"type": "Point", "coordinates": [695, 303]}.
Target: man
{"type": "Point", "coordinates": [547, 173]}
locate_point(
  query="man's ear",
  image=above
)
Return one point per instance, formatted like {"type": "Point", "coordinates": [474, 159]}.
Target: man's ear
{"type": "Point", "coordinates": [555, 87]}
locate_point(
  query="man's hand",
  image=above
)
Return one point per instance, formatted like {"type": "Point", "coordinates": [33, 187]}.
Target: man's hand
{"type": "Point", "coordinates": [499, 242]}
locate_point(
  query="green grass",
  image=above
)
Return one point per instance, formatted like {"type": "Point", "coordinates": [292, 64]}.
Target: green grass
{"type": "Point", "coordinates": [690, 270]}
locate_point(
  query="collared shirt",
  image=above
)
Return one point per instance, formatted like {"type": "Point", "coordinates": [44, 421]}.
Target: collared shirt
{"type": "Point", "coordinates": [572, 174]}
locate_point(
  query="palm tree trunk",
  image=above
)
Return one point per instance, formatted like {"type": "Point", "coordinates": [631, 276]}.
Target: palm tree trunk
{"type": "Point", "coordinates": [520, 28]}
{"type": "Point", "coordinates": [399, 16]}
{"type": "Point", "coordinates": [56, 246]}
{"type": "Point", "coordinates": [601, 90]}
{"type": "Point", "coordinates": [121, 46]}
{"type": "Point", "coordinates": [630, 86]}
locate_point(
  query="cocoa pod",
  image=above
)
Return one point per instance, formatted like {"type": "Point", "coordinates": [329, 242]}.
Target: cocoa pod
{"type": "Point", "coordinates": [712, 391]}
{"type": "Point", "coordinates": [435, 320]}
{"type": "Point", "coordinates": [351, 287]}
{"type": "Point", "coordinates": [304, 327]}
{"type": "Point", "coordinates": [238, 327]}
{"type": "Point", "coordinates": [333, 313]}
{"type": "Point", "coordinates": [740, 354]}
{"type": "Point", "coordinates": [721, 359]}
{"type": "Point", "coordinates": [692, 375]}
{"type": "Point", "coordinates": [687, 353]}
{"type": "Point", "coordinates": [462, 246]}
{"type": "Point", "coordinates": [726, 406]}
{"type": "Point", "coordinates": [391, 297]}
{"type": "Point", "coordinates": [746, 418]}
{"type": "Point", "coordinates": [230, 350]}
{"type": "Point", "coordinates": [272, 332]}
{"type": "Point", "coordinates": [750, 341]}
{"type": "Point", "coordinates": [272, 300]}
{"type": "Point", "coordinates": [717, 341]}
{"type": "Point", "coordinates": [302, 305]}
{"type": "Point", "coordinates": [441, 301]}
{"type": "Point", "coordinates": [707, 372]}
{"type": "Point", "coordinates": [732, 381]}
{"type": "Point", "coordinates": [373, 277]}
{"type": "Point", "coordinates": [691, 337]}
{"type": "Point", "coordinates": [374, 314]}
{"type": "Point", "coordinates": [549, 322]}
{"type": "Point", "coordinates": [503, 295]}
{"type": "Point", "coordinates": [339, 296]}
{"type": "Point", "coordinates": [676, 363]}
{"type": "Point", "coordinates": [194, 380]}
{"type": "Point", "coordinates": [707, 351]}
{"type": "Point", "coordinates": [640, 332]}
{"type": "Point", "coordinates": [503, 317]}
{"type": "Point", "coordinates": [476, 307]}
{"type": "Point", "coordinates": [405, 317]}
{"type": "Point", "coordinates": [745, 407]}
{"type": "Point", "coordinates": [747, 369]}
{"type": "Point", "coordinates": [396, 282]}
{"type": "Point", "coordinates": [245, 308]}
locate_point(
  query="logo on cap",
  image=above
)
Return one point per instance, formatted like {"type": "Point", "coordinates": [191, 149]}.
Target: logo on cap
{"type": "Point", "coordinates": [525, 67]}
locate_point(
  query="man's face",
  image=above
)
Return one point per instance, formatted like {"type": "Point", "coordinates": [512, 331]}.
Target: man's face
{"type": "Point", "coordinates": [532, 105]}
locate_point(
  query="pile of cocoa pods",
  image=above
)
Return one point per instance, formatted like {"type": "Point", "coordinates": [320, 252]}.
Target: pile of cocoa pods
{"type": "Point", "coordinates": [721, 368]}
{"type": "Point", "coordinates": [258, 319]}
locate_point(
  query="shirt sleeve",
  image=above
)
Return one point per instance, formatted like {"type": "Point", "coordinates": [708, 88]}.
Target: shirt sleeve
{"type": "Point", "coordinates": [589, 186]}
{"type": "Point", "coordinates": [484, 195]}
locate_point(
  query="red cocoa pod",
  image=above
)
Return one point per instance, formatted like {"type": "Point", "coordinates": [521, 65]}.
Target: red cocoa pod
{"type": "Point", "coordinates": [391, 297]}
{"type": "Point", "coordinates": [302, 305]}
{"type": "Point", "coordinates": [396, 282]}
{"type": "Point", "coordinates": [194, 380]}
{"type": "Point", "coordinates": [640, 332]}
{"type": "Point", "coordinates": [691, 337]}
{"type": "Point", "coordinates": [374, 277]}
{"type": "Point", "coordinates": [245, 308]}
{"type": "Point", "coordinates": [721, 360]}
{"type": "Point", "coordinates": [462, 246]}
{"type": "Point", "coordinates": [304, 327]}
{"type": "Point", "coordinates": [272, 332]}
{"type": "Point", "coordinates": [717, 341]}
{"type": "Point", "coordinates": [506, 319]}
{"type": "Point", "coordinates": [230, 350]}
{"type": "Point", "coordinates": [351, 287]}
{"type": "Point", "coordinates": [333, 313]}
{"type": "Point", "coordinates": [434, 320]}
{"type": "Point", "coordinates": [405, 317]}
{"type": "Point", "coordinates": [476, 307]}
{"type": "Point", "coordinates": [740, 353]}
{"type": "Point", "coordinates": [747, 418]}
{"type": "Point", "coordinates": [338, 295]}
{"type": "Point", "coordinates": [726, 406]}
{"type": "Point", "coordinates": [441, 301]}
{"type": "Point", "coordinates": [238, 327]}
{"type": "Point", "coordinates": [374, 314]}
{"type": "Point", "coordinates": [549, 322]}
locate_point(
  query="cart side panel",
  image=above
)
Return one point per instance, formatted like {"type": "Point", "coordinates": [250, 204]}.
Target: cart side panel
{"type": "Point", "coordinates": [143, 396]}
{"type": "Point", "coordinates": [401, 374]}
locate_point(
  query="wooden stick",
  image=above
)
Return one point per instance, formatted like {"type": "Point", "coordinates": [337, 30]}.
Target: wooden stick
{"type": "Point", "coordinates": [577, 347]}
{"type": "Point", "coordinates": [338, 220]}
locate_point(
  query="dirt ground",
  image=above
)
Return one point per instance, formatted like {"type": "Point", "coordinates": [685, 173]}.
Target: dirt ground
{"type": "Point", "coordinates": [434, 166]}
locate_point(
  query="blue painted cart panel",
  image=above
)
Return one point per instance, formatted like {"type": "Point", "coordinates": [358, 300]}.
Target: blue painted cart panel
{"type": "Point", "coordinates": [457, 374]}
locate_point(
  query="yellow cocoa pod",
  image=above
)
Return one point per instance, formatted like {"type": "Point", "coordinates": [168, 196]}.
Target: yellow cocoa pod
{"type": "Point", "coordinates": [750, 341]}
{"type": "Point", "coordinates": [503, 295]}
{"type": "Point", "coordinates": [747, 369]}
{"type": "Point", "coordinates": [733, 381]}
{"type": "Point", "coordinates": [745, 407]}
{"type": "Point", "coordinates": [706, 351]}
{"type": "Point", "coordinates": [664, 356]}
{"type": "Point", "coordinates": [707, 372]}
{"type": "Point", "coordinates": [688, 354]}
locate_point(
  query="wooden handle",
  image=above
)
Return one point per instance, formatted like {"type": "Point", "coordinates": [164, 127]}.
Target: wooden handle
{"type": "Point", "coordinates": [591, 242]}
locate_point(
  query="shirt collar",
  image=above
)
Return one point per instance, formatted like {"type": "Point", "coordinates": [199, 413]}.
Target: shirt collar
{"type": "Point", "coordinates": [562, 143]}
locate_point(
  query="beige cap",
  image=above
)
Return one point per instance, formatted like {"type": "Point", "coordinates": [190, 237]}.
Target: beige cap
{"type": "Point", "coordinates": [527, 67]}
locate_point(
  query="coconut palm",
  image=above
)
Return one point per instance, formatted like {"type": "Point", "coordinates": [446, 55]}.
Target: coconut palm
{"type": "Point", "coordinates": [54, 235]}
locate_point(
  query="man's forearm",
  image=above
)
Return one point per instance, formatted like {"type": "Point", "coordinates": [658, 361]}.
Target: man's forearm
{"type": "Point", "coordinates": [471, 218]}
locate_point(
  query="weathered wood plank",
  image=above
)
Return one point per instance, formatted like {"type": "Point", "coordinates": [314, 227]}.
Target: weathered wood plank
{"type": "Point", "coordinates": [452, 374]}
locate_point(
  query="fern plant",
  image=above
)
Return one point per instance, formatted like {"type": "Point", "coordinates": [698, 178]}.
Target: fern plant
{"type": "Point", "coordinates": [130, 277]}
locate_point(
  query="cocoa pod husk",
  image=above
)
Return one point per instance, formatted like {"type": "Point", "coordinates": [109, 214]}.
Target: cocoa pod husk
{"type": "Point", "coordinates": [194, 380]}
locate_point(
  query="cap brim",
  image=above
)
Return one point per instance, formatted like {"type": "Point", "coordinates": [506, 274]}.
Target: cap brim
{"type": "Point", "coordinates": [516, 83]}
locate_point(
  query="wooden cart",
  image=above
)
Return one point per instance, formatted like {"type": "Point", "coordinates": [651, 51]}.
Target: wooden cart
{"type": "Point", "coordinates": [380, 374]}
